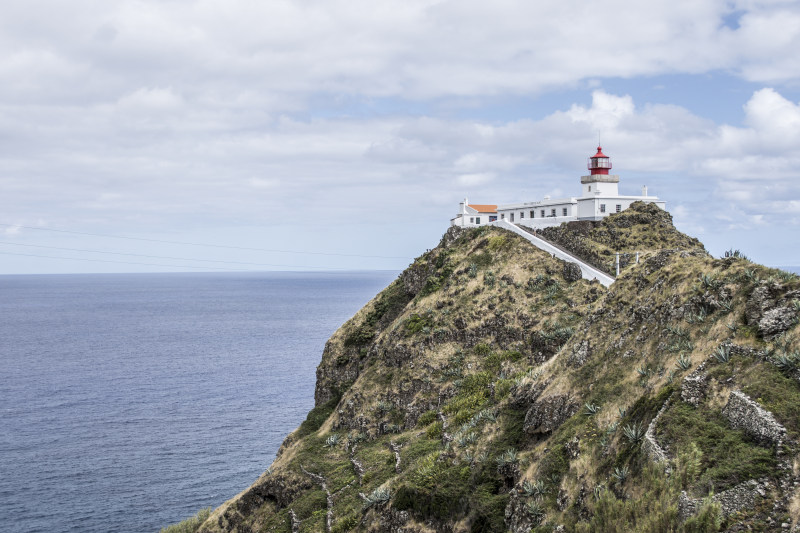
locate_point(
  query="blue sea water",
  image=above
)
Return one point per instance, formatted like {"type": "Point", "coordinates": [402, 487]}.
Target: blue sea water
{"type": "Point", "coordinates": [129, 402]}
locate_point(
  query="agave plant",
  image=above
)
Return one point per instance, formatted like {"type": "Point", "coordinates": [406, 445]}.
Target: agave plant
{"type": "Point", "coordinates": [376, 497]}
{"type": "Point", "coordinates": [332, 440]}
{"type": "Point", "coordinates": [735, 254]}
{"type": "Point", "coordinates": [751, 275]}
{"type": "Point", "coordinates": [621, 474]}
{"type": "Point", "coordinates": [591, 409]}
{"type": "Point", "coordinates": [536, 510]}
{"type": "Point", "coordinates": [488, 415]}
{"type": "Point", "coordinates": [723, 353]}
{"type": "Point", "coordinates": [710, 282]}
{"type": "Point", "coordinates": [787, 361]}
{"type": "Point", "coordinates": [634, 432]}
{"type": "Point", "coordinates": [535, 489]}
{"type": "Point", "coordinates": [677, 331]}
{"type": "Point", "coordinates": [683, 362]}
{"type": "Point", "coordinates": [508, 457]}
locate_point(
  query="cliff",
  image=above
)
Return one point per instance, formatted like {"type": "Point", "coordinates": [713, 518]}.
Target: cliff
{"type": "Point", "coordinates": [488, 389]}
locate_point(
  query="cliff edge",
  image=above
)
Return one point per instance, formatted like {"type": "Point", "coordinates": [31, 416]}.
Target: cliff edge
{"type": "Point", "coordinates": [489, 388]}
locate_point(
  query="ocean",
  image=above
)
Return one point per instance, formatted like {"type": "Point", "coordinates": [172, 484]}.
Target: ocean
{"type": "Point", "coordinates": [129, 402]}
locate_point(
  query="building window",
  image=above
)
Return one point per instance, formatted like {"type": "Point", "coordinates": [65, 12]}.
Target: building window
{"type": "Point", "coordinates": [502, 216]}
{"type": "Point", "coordinates": [619, 208]}
{"type": "Point", "coordinates": [471, 220]}
{"type": "Point", "coordinates": [477, 220]}
{"type": "Point", "coordinates": [542, 213]}
{"type": "Point", "coordinates": [552, 212]}
{"type": "Point", "coordinates": [533, 214]}
{"type": "Point", "coordinates": [564, 211]}
{"type": "Point", "coordinates": [602, 208]}
{"type": "Point", "coordinates": [521, 215]}
{"type": "Point", "coordinates": [492, 218]}
{"type": "Point", "coordinates": [590, 188]}
{"type": "Point", "coordinates": [512, 217]}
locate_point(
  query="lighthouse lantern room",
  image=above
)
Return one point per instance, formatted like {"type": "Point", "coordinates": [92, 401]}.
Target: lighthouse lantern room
{"type": "Point", "coordinates": [599, 163]}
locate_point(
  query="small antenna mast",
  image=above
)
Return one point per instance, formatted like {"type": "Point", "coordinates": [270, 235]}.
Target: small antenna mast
{"type": "Point", "coordinates": [598, 139]}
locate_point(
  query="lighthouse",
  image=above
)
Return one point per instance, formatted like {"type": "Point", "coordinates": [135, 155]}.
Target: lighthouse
{"type": "Point", "coordinates": [599, 198]}
{"type": "Point", "coordinates": [599, 182]}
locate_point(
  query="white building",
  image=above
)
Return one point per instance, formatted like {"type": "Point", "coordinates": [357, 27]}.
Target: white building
{"type": "Point", "coordinates": [599, 198]}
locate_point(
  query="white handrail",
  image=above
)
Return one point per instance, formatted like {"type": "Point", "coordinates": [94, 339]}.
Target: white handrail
{"type": "Point", "coordinates": [587, 271]}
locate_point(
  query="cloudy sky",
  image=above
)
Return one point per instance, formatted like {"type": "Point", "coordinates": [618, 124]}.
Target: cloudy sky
{"type": "Point", "coordinates": [339, 134]}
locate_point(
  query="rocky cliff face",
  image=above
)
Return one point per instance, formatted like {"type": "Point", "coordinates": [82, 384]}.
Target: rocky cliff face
{"type": "Point", "coordinates": [487, 389]}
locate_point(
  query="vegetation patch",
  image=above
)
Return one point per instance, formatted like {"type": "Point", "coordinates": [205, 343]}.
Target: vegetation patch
{"type": "Point", "coordinates": [190, 525]}
{"type": "Point", "coordinates": [316, 417]}
{"type": "Point", "coordinates": [729, 457]}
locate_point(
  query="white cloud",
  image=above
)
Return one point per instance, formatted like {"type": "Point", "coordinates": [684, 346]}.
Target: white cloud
{"type": "Point", "coordinates": [167, 111]}
{"type": "Point", "coordinates": [470, 180]}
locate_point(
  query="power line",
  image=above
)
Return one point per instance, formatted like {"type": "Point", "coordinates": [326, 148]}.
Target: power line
{"type": "Point", "coordinates": [229, 247]}
{"type": "Point", "coordinates": [125, 262]}
{"type": "Point", "coordinates": [157, 256]}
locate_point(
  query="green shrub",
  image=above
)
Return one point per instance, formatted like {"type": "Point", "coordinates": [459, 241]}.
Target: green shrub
{"type": "Point", "coordinates": [440, 493]}
{"type": "Point", "coordinates": [427, 417]}
{"type": "Point", "coordinates": [483, 259]}
{"type": "Point", "coordinates": [728, 456]}
{"type": "Point", "coordinates": [317, 416]}
{"type": "Point", "coordinates": [345, 524]}
{"type": "Point", "coordinates": [482, 349]}
{"type": "Point", "coordinates": [190, 525]}
{"type": "Point", "coordinates": [493, 362]}
{"type": "Point", "coordinates": [360, 336]}
{"type": "Point", "coordinates": [416, 323]}
{"type": "Point", "coordinates": [434, 431]}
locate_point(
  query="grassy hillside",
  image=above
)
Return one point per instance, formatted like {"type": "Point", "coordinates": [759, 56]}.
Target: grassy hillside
{"type": "Point", "coordinates": [482, 391]}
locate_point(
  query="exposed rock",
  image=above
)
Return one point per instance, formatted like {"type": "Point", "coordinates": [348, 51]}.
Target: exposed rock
{"type": "Point", "coordinates": [527, 392]}
{"type": "Point", "coordinates": [548, 413]}
{"type": "Point", "coordinates": [694, 387]}
{"type": "Point", "coordinates": [571, 272]}
{"type": "Point", "coordinates": [649, 444]}
{"type": "Point", "coordinates": [776, 321]}
{"type": "Point", "coordinates": [509, 472]}
{"type": "Point", "coordinates": [745, 414]}
{"type": "Point", "coordinates": [761, 299]}
{"type": "Point", "coordinates": [573, 448]}
{"type": "Point", "coordinates": [517, 518]}
{"type": "Point", "coordinates": [580, 353]}
{"type": "Point", "coordinates": [450, 236]}
{"type": "Point", "coordinates": [659, 260]}
{"type": "Point", "coordinates": [742, 496]}
{"type": "Point", "coordinates": [415, 276]}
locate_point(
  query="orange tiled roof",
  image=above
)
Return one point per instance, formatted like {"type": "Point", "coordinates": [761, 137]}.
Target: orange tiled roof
{"type": "Point", "coordinates": [484, 208]}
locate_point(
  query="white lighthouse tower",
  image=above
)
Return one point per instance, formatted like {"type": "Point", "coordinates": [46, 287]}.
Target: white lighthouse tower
{"type": "Point", "coordinates": [599, 182]}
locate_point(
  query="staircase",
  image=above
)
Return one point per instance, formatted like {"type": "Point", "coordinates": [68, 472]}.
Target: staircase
{"type": "Point", "coordinates": [587, 271]}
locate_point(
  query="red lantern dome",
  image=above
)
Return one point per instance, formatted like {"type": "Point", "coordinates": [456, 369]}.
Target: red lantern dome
{"type": "Point", "coordinates": [599, 163]}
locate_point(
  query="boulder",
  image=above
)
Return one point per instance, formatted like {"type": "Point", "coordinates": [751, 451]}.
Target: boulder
{"type": "Point", "coordinates": [571, 272]}
{"type": "Point", "coordinates": [548, 413]}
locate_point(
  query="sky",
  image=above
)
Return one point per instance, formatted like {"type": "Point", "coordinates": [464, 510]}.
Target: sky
{"type": "Point", "coordinates": [208, 135]}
